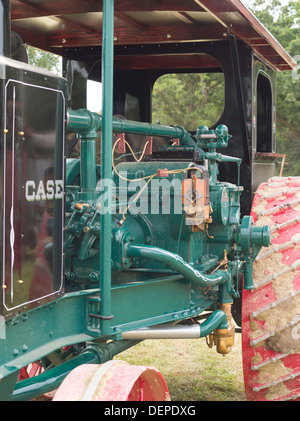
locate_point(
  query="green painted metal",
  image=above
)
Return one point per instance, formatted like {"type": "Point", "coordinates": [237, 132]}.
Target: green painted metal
{"type": "Point", "coordinates": [7, 386]}
{"type": "Point", "coordinates": [126, 270]}
{"type": "Point", "coordinates": [88, 167]}
{"type": "Point", "coordinates": [142, 303]}
{"type": "Point", "coordinates": [176, 263]}
{"type": "Point", "coordinates": [36, 333]}
{"type": "Point", "coordinates": [152, 256]}
{"type": "Point", "coordinates": [50, 380]}
{"type": "Point", "coordinates": [217, 319]}
{"type": "Point", "coordinates": [212, 140]}
{"type": "Point", "coordinates": [143, 274]}
{"type": "Point", "coordinates": [72, 171]}
{"type": "Point", "coordinates": [248, 273]}
{"type": "Point", "coordinates": [96, 353]}
{"type": "Point", "coordinates": [250, 239]}
{"type": "Point", "coordinates": [106, 159]}
{"type": "Point", "coordinates": [250, 235]}
{"type": "Point", "coordinates": [82, 121]}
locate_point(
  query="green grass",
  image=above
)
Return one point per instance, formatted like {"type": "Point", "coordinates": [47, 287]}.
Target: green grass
{"type": "Point", "coordinates": [192, 371]}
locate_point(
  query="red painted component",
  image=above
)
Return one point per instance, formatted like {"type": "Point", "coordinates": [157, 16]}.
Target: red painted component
{"type": "Point", "coordinates": [162, 172]}
{"type": "Point", "coordinates": [271, 312]}
{"type": "Point", "coordinates": [148, 150]}
{"type": "Point", "coordinates": [121, 143]}
{"type": "Point", "coordinates": [113, 381]}
{"type": "Point", "coordinates": [31, 370]}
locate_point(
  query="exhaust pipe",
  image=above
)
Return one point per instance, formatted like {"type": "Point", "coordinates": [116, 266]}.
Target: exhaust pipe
{"type": "Point", "coordinates": [164, 332]}
{"type": "Point", "coordinates": [218, 319]}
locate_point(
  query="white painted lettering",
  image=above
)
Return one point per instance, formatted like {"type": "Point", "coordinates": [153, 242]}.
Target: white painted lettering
{"type": "Point", "coordinates": [30, 190]}
{"type": "Point", "coordinates": [59, 188]}
{"type": "Point", "coordinates": [53, 189]}
{"type": "Point", "coordinates": [40, 194]}
{"type": "Point", "coordinates": [50, 189]}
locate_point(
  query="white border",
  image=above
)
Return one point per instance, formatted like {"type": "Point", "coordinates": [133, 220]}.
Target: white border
{"type": "Point", "coordinates": [4, 197]}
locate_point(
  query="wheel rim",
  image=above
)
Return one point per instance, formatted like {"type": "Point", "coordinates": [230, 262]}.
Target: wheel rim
{"type": "Point", "coordinates": [113, 381]}
{"type": "Point", "coordinates": [271, 312]}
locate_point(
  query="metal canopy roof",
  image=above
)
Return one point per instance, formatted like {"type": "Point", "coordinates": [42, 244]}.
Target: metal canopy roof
{"type": "Point", "coordinates": [55, 24]}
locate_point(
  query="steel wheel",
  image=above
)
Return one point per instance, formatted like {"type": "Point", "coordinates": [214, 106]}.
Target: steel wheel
{"type": "Point", "coordinates": [271, 312]}
{"type": "Point", "coordinates": [113, 381]}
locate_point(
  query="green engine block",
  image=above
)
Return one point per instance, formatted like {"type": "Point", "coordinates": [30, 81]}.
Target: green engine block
{"type": "Point", "coordinates": [170, 214]}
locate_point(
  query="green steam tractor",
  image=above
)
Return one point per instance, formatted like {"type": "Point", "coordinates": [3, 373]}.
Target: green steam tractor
{"type": "Point", "coordinates": [115, 228]}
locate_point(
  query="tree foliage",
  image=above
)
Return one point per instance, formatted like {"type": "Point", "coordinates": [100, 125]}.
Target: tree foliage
{"type": "Point", "coordinates": [44, 59]}
{"type": "Point", "coordinates": [188, 100]}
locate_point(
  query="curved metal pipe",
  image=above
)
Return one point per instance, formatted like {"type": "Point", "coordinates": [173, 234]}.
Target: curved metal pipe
{"type": "Point", "coordinates": [178, 264]}
{"type": "Point", "coordinates": [218, 319]}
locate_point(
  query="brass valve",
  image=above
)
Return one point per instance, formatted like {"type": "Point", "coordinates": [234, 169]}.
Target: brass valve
{"type": "Point", "coordinates": [80, 206]}
{"type": "Point", "coordinates": [223, 339]}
